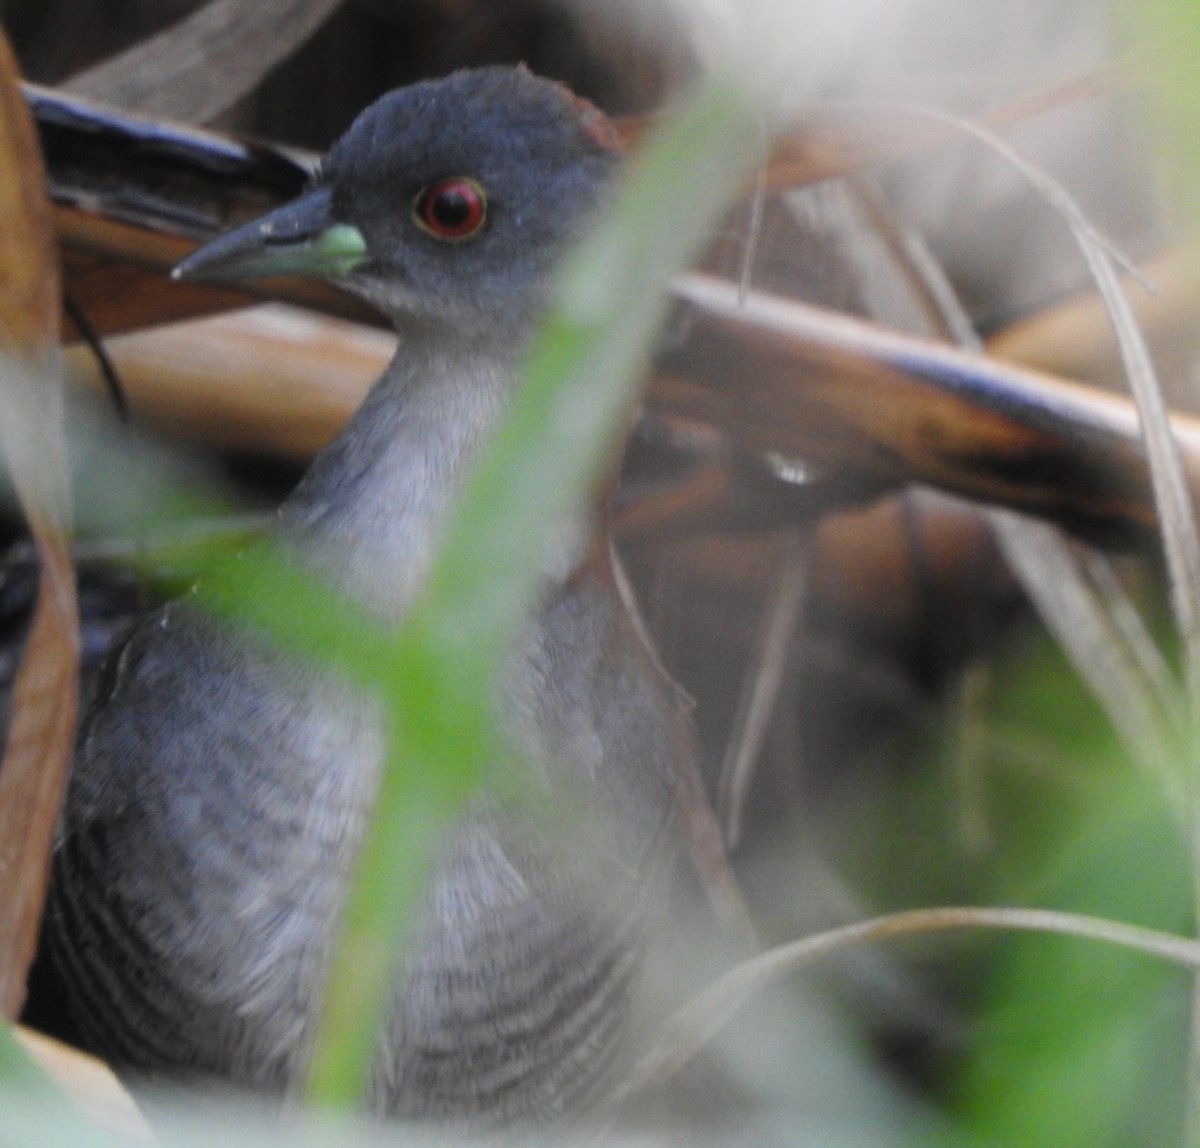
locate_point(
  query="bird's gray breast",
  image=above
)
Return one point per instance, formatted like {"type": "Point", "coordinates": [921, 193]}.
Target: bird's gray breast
{"type": "Point", "coordinates": [220, 793]}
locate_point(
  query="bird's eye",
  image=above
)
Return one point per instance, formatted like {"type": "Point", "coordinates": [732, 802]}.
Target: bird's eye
{"type": "Point", "coordinates": [453, 208]}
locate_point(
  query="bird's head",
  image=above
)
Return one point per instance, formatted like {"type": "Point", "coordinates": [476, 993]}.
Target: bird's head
{"type": "Point", "coordinates": [446, 202]}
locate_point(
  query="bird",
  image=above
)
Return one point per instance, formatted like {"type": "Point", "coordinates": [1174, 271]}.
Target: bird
{"type": "Point", "coordinates": [220, 785]}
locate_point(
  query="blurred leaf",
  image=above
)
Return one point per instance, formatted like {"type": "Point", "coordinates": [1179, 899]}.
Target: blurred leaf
{"type": "Point", "coordinates": [1076, 1043]}
{"type": "Point", "coordinates": [36, 1112]}
{"type": "Point", "coordinates": [1169, 34]}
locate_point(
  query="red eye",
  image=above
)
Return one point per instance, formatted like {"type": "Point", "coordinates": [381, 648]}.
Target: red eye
{"type": "Point", "coordinates": [453, 208]}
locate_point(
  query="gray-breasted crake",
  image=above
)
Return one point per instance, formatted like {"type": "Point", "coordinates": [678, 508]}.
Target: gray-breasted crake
{"type": "Point", "coordinates": [220, 787]}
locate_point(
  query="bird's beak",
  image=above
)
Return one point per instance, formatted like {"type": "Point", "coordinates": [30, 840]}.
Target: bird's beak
{"type": "Point", "coordinates": [300, 238]}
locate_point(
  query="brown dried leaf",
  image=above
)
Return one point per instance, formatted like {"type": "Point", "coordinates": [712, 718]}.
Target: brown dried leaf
{"type": "Point", "coordinates": [37, 756]}
{"type": "Point", "coordinates": [28, 273]}
{"type": "Point", "coordinates": [785, 378]}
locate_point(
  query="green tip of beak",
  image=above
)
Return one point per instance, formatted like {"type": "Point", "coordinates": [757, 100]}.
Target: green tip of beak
{"type": "Point", "coordinates": [339, 248]}
{"type": "Point", "coordinates": [300, 238]}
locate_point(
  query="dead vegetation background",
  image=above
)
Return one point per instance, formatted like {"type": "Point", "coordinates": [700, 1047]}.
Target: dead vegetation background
{"type": "Point", "coordinates": [904, 697]}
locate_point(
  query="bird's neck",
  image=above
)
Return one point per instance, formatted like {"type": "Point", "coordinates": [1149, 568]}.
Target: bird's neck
{"type": "Point", "coordinates": [371, 509]}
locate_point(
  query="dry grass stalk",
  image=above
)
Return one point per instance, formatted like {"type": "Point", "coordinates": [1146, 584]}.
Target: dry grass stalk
{"type": "Point", "coordinates": [201, 66]}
